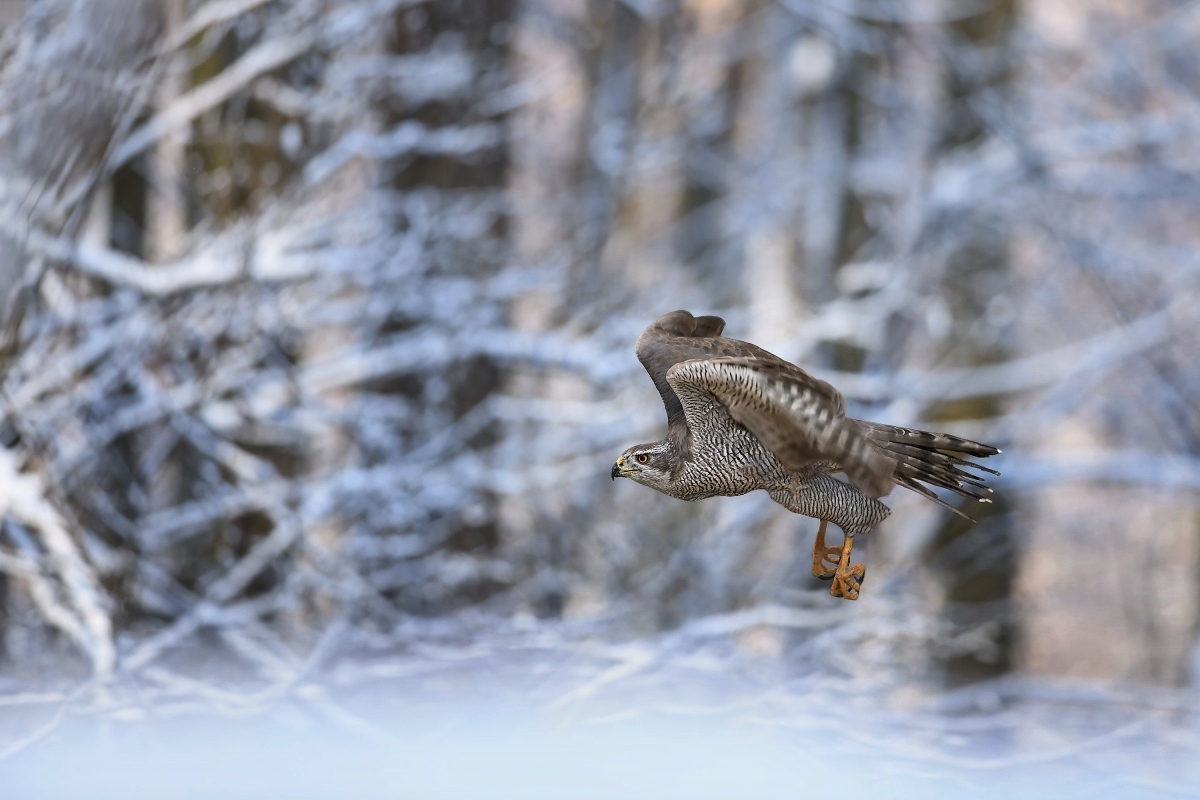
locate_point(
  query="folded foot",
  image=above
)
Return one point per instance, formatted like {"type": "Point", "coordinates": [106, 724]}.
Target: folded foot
{"type": "Point", "coordinates": [847, 579]}
{"type": "Point", "coordinates": [847, 584]}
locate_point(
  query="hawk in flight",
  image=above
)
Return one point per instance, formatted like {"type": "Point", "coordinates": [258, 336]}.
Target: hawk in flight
{"type": "Point", "coordinates": [740, 419]}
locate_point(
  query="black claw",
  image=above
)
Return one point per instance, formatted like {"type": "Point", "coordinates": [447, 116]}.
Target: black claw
{"type": "Point", "coordinates": [828, 577]}
{"type": "Point", "coordinates": [862, 578]}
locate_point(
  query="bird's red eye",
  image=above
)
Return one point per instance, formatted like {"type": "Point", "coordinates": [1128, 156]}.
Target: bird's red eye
{"type": "Point", "coordinates": [643, 458]}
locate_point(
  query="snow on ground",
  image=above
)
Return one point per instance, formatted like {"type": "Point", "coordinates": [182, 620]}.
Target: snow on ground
{"type": "Point", "coordinates": [542, 716]}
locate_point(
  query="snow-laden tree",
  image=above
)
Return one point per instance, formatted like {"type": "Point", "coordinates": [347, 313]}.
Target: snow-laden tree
{"type": "Point", "coordinates": [319, 320]}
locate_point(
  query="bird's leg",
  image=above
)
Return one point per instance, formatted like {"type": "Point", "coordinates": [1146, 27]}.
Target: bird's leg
{"type": "Point", "coordinates": [847, 579]}
{"type": "Point", "coordinates": [825, 559]}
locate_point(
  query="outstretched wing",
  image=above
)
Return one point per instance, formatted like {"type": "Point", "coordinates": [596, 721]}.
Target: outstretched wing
{"type": "Point", "coordinates": [678, 337]}
{"type": "Point", "coordinates": [797, 417]}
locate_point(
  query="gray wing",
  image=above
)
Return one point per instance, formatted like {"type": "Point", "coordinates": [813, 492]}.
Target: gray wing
{"type": "Point", "coordinates": [797, 417]}
{"type": "Point", "coordinates": [679, 336]}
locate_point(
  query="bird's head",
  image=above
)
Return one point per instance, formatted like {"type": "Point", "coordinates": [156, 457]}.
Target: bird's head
{"type": "Point", "coordinates": [651, 464]}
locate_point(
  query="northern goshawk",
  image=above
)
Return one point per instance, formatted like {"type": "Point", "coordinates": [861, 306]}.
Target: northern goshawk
{"type": "Point", "coordinates": [740, 419]}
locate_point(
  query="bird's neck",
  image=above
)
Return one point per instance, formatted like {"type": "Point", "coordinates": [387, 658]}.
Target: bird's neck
{"type": "Point", "coordinates": [678, 444]}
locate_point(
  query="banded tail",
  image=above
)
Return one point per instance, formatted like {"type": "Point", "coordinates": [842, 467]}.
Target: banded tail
{"type": "Point", "coordinates": [930, 458]}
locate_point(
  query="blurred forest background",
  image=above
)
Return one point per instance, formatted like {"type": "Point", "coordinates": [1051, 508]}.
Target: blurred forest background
{"type": "Point", "coordinates": [318, 324]}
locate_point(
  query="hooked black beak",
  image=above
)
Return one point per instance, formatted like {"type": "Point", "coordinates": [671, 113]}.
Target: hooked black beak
{"type": "Point", "coordinates": [616, 472]}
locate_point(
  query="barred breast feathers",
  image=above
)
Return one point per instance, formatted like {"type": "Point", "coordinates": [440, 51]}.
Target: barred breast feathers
{"type": "Point", "coordinates": [798, 418]}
